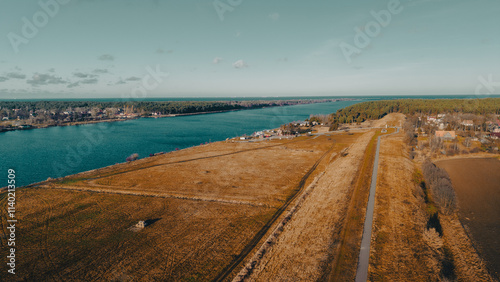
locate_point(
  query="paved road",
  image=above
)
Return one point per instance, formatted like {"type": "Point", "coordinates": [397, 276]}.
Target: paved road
{"type": "Point", "coordinates": [364, 251]}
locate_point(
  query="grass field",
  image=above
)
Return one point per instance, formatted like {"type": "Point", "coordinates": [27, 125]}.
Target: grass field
{"type": "Point", "coordinates": [308, 243]}
{"type": "Point", "coordinates": [399, 251]}
{"type": "Point", "coordinates": [259, 174]}
{"type": "Point", "coordinates": [205, 205]}
{"type": "Point", "coordinates": [83, 236]}
{"type": "Point", "coordinates": [477, 184]}
{"type": "Point", "coordinates": [211, 209]}
{"type": "Point", "coordinates": [350, 239]}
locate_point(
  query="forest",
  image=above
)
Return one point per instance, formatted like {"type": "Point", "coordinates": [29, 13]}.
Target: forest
{"type": "Point", "coordinates": [39, 113]}
{"type": "Point", "coordinates": [169, 107]}
{"type": "Point", "coordinates": [378, 109]}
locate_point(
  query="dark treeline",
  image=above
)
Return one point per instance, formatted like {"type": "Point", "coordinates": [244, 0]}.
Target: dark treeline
{"type": "Point", "coordinates": [441, 187]}
{"type": "Point", "coordinates": [168, 107]}
{"type": "Point", "coordinates": [378, 109]}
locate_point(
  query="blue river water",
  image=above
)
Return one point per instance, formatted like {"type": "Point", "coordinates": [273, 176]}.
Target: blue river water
{"type": "Point", "coordinates": [38, 154]}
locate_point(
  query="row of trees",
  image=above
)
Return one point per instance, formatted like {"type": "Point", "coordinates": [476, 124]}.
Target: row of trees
{"type": "Point", "coordinates": [164, 107]}
{"type": "Point", "coordinates": [378, 109]}
{"type": "Point", "coordinates": [441, 188]}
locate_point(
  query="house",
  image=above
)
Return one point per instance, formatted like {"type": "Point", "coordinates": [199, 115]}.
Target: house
{"type": "Point", "coordinates": [431, 119]}
{"type": "Point", "coordinates": [468, 122]}
{"type": "Point", "coordinates": [446, 135]}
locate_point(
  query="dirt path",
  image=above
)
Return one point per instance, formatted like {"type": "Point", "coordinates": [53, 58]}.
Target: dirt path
{"type": "Point", "coordinates": [149, 194]}
{"type": "Point", "coordinates": [258, 237]}
{"type": "Point", "coordinates": [302, 250]}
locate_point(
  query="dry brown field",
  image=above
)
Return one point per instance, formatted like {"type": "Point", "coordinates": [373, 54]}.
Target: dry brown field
{"type": "Point", "coordinates": [399, 251]}
{"type": "Point", "coordinates": [305, 249]}
{"type": "Point", "coordinates": [263, 173]}
{"type": "Point", "coordinates": [477, 184]}
{"type": "Point", "coordinates": [206, 205]}
{"type": "Point", "coordinates": [403, 248]}
{"type": "Point", "coordinates": [212, 209]}
{"type": "Point", "coordinates": [84, 236]}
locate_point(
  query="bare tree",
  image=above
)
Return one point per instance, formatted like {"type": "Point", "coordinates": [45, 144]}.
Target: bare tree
{"type": "Point", "coordinates": [441, 187]}
{"type": "Point", "coordinates": [132, 157]}
{"type": "Point", "coordinates": [467, 142]}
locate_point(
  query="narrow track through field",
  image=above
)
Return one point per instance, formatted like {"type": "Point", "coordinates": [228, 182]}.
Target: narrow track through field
{"type": "Point", "coordinates": [257, 238]}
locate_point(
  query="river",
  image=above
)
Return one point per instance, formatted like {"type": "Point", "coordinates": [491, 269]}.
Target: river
{"type": "Point", "coordinates": [38, 154]}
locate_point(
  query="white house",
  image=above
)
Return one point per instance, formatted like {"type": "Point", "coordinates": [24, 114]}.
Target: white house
{"type": "Point", "coordinates": [446, 135]}
{"type": "Point", "coordinates": [467, 122]}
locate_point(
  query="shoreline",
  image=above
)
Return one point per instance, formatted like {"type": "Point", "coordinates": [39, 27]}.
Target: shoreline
{"type": "Point", "coordinates": [119, 119]}
{"type": "Point", "coordinates": [41, 126]}
{"type": "Point", "coordinates": [158, 154]}
{"type": "Point", "coordinates": [19, 128]}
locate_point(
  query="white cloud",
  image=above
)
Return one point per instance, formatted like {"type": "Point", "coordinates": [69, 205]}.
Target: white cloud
{"type": "Point", "coordinates": [133, 78]}
{"type": "Point", "coordinates": [15, 75]}
{"type": "Point", "coordinates": [100, 71]}
{"type": "Point", "coordinates": [106, 57]}
{"type": "Point", "coordinates": [240, 64]}
{"type": "Point", "coordinates": [217, 60]}
{"type": "Point", "coordinates": [120, 81]}
{"type": "Point", "coordinates": [84, 75]}
{"type": "Point", "coordinates": [75, 84]}
{"type": "Point", "coordinates": [44, 79]}
{"type": "Point", "coordinates": [274, 16]}
{"type": "Point", "coordinates": [89, 81]}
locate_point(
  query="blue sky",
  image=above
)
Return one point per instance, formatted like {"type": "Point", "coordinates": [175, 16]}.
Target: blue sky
{"type": "Point", "coordinates": [109, 48]}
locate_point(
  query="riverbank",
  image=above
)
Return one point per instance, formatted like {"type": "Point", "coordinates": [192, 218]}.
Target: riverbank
{"type": "Point", "coordinates": [128, 112]}
{"type": "Point", "coordinates": [59, 151]}
{"type": "Point", "coordinates": [221, 197]}
{"type": "Point", "coordinates": [38, 126]}
{"type": "Point", "coordinates": [251, 207]}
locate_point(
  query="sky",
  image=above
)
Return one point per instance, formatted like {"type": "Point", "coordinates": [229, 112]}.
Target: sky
{"type": "Point", "coordinates": [187, 48]}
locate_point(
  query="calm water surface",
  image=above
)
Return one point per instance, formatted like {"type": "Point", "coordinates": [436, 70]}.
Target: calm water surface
{"type": "Point", "coordinates": [58, 151]}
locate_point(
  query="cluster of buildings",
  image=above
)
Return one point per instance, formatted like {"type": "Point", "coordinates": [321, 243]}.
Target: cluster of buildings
{"type": "Point", "coordinates": [443, 129]}
{"type": "Point", "coordinates": [14, 119]}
